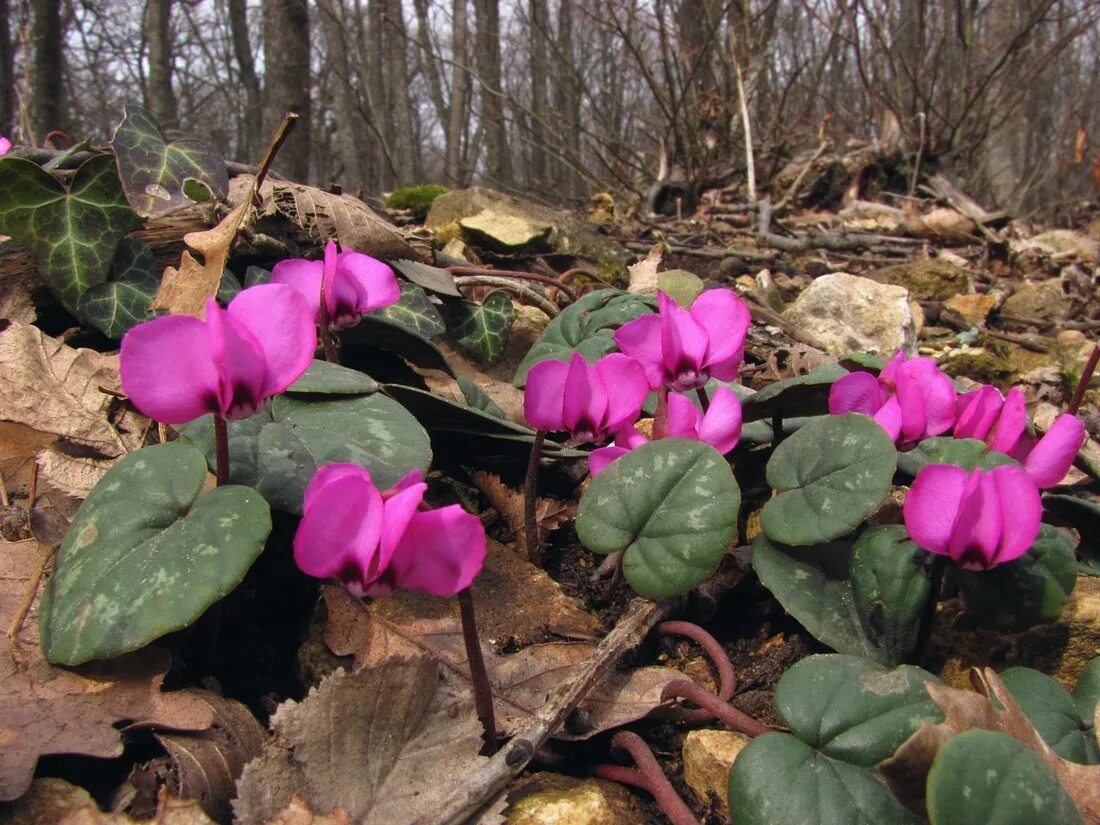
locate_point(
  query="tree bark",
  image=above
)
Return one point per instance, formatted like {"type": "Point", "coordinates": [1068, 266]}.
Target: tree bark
{"type": "Point", "coordinates": [160, 100]}
{"type": "Point", "coordinates": [47, 86]}
{"type": "Point", "coordinates": [497, 160]}
{"type": "Point", "coordinates": [287, 80]}
{"type": "Point", "coordinates": [453, 165]}
{"type": "Point", "coordinates": [540, 28]}
{"type": "Point", "coordinates": [250, 131]}
{"type": "Point", "coordinates": [7, 71]}
{"type": "Point", "coordinates": [348, 123]}
{"type": "Point", "coordinates": [567, 103]}
{"type": "Point", "coordinates": [406, 163]}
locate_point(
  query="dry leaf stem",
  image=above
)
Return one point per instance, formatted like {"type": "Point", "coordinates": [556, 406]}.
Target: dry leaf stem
{"type": "Point", "coordinates": [491, 778]}
{"type": "Point", "coordinates": [523, 276]}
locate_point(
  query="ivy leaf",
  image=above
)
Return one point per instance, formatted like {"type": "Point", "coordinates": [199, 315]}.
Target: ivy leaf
{"type": "Point", "coordinates": [483, 328]}
{"type": "Point", "coordinates": [71, 233]}
{"type": "Point", "coordinates": [1024, 592]}
{"type": "Point", "coordinates": [585, 326]}
{"type": "Point", "coordinates": [672, 505]}
{"type": "Point", "coordinates": [830, 476]}
{"type": "Point", "coordinates": [146, 554]}
{"type": "Point", "coordinates": [123, 301]}
{"type": "Point", "coordinates": [155, 174]}
{"type": "Point", "coordinates": [414, 312]}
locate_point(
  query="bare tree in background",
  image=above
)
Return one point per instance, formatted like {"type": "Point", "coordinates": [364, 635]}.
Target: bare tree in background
{"type": "Point", "coordinates": [497, 160]}
{"type": "Point", "coordinates": [287, 79]}
{"type": "Point", "coordinates": [7, 71]}
{"type": "Point", "coordinates": [160, 100]}
{"type": "Point", "coordinates": [251, 130]}
{"type": "Point", "coordinates": [47, 85]}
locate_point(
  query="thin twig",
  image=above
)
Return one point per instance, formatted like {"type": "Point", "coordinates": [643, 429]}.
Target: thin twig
{"type": "Point", "coordinates": [527, 295]}
{"type": "Point", "coordinates": [523, 276]}
{"type": "Point", "coordinates": [492, 776]}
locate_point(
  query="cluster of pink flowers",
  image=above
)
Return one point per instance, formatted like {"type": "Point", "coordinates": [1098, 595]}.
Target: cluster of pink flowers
{"type": "Point", "coordinates": [981, 518]}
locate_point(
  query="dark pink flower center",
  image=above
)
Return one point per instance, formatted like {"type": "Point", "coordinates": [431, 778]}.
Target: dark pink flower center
{"type": "Point", "coordinates": [687, 377]}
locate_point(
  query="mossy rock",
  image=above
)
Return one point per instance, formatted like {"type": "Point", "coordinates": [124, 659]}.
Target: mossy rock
{"type": "Point", "coordinates": [417, 199]}
{"type": "Point", "coordinates": [982, 365]}
{"type": "Point", "coordinates": [925, 280]}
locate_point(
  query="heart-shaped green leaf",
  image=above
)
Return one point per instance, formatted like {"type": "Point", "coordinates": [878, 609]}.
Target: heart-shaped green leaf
{"type": "Point", "coordinates": [123, 301]}
{"type": "Point", "coordinates": [585, 326]}
{"type": "Point", "coordinates": [968, 453]}
{"type": "Point", "coordinates": [1056, 715]}
{"type": "Point", "coordinates": [831, 475]}
{"type": "Point", "coordinates": [799, 396]}
{"type": "Point", "coordinates": [414, 312]}
{"type": "Point", "coordinates": [154, 173]}
{"type": "Point", "coordinates": [1084, 516]}
{"type": "Point", "coordinates": [1028, 591]}
{"type": "Point", "coordinates": [1087, 692]}
{"type": "Point", "coordinates": [278, 450]}
{"type": "Point", "coordinates": [779, 780]}
{"type": "Point", "coordinates": [483, 328]}
{"type": "Point", "coordinates": [890, 585]}
{"type": "Point", "coordinates": [680, 285]}
{"type": "Point", "coordinates": [812, 584]}
{"type": "Point", "coordinates": [146, 555]}
{"type": "Point", "coordinates": [983, 777]}
{"type": "Point", "coordinates": [71, 233]}
{"type": "Point", "coordinates": [323, 378]}
{"type": "Point", "coordinates": [852, 709]}
{"type": "Point", "coordinates": [671, 505]}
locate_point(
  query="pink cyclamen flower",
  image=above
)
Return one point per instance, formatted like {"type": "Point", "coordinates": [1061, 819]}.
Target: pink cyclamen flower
{"type": "Point", "coordinates": [376, 542]}
{"type": "Point", "coordinates": [979, 519]}
{"type": "Point", "coordinates": [5, 145]}
{"type": "Point", "coordinates": [683, 349]}
{"type": "Point", "coordinates": [1001, 422]}
{"type": "Point", "coordinates": [719, 426]}
{"type": "Point", "coordinates": [354, 284]}
{"type": "Point", "coordinates": [176, 368]}
{"type": "Point", "coordinates": [911, 399]}
{"type": "Point", "coordinates": [590, 401]}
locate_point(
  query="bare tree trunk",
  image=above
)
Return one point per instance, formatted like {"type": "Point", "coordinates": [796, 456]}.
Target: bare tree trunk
{"type": "Point", "coordinates": [406, 162]}
{"type": "Point", "coordinates": [497, 160]}
{"type": "Point", "coordinates": [251, 129]}
{"type": "Point", "coordinates": [540, 28]}
{"type": "Point", "coordinates": [429, 60]}
{"type": "Point", "coordinates": [47, 85]}
{"type": "Point", "coordinates": [460, 90]}
{"type": "Point", "coordinates": [380, 113]}
{"type": "Point", "coordinates": [7, 71]}
{"type": "Point", "coordinates": [160, 100]}
{"type": "Point", "coordinates": [348, 123]}
{"type": "Point", "coordinates": [287, 79]}
{"type": "Point", "coordinates": [567, 102]}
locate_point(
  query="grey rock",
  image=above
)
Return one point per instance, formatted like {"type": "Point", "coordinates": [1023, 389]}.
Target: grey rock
{"type": "Point", "coordinates": [848, 313]}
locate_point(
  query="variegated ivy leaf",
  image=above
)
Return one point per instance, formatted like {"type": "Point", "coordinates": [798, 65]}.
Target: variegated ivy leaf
{"type": "Point", "coordinates": [414, 312]}
{"type": "Point", "coordinates": [483, 328]}
{"type": "Point", "coordinates": [123, 301]}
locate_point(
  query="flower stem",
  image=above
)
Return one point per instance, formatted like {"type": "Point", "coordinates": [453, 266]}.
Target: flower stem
{"type": "Point", "coordinates": [1083, 381]}
{"type": "Point", "coordinates": [483, 691]}
{"type": "Point", "coordinates": [530, 493]}
{"type": "Point", "coordinates": [660, 419]}
{"type": "Point", "coordinates": [928, 617]}
{"type": "Point", "coordinates": [704, 399]}
{"type": "Point", "coordinates": [221, 450]}
{"type": "Point", "coordinates": [647, 775]}
{"type": "Point", "coordinates": [328, 342]}
{"type": "Point", "coordinates": [714, 706]}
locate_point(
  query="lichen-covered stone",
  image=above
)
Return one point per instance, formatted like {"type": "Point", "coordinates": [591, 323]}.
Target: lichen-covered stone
{"type": "Point", "coordinates": [708, 757]}
{"type": "Point", "coordinates": [934, 279]}
{"type": "Point", "coordinates": [552, 799]}
{"type": "Point", "coordinates": [1045, 301]}
{"type": "Point", "coordinates": [848, 313]}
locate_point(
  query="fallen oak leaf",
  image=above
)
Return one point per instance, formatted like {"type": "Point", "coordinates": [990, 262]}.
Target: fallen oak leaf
{"type": "Point", "coordinates": [643, 274]}
{"type": "Point", "coordinates": [907, 770]}
{"type": "Point", "coordinates": [46, 709]}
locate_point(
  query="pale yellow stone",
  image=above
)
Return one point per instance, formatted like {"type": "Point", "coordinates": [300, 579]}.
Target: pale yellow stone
{"type": "Point", "coordinates": [973, 308]}
{"type": "Point", "coordinates": [708, 756]}
{"type": "Point", "coordinates": [563, 800]}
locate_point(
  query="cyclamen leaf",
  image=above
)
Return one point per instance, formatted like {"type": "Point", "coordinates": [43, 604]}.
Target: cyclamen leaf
{"type": "Point", "coordinates": [155, 174]}
{"type": "Point", "coordinates": [799, 396]}
{"type": "Point", "coordinates": [414, 312]}
{"type": "Point", "coordinates": [483, 328]}
{"type": "Point", "coordinates": [123, 301]}
{"type": "Point", "coordinates": [1064, 724]}
{"type": "Point", "coordinates": [968, 453]}
{"type": "Point", "coordinates": [147, 554]}
{"type": "Point", "coordinates": [71, 233]}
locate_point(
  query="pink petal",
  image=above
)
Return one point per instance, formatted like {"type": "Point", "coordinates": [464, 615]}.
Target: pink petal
{"type": "Point", "coordinates": [279, 319]}
{"type": "Point", "coordinates": [910, 397]}
{"type": "Point", "coordinates": [398, 510]}
{"type": "Point", "coordinates": [1022, 510]}
{"type": "Point", "coordinates": [328, 474]}
{"type": "Point", "coordinates": [932, 505]}
{"type": "Point", "coordinates": [410, 479]}
{"type": "Point", "coordinates": [855, 392]}
{"type": "Point", "coordinates": [641, 340]}
{"type": "Point", "coordinates": [627, 388]}
{"type": "Point", "coordinates": [339, 532]}
{"type": "Point", "coordinates": [889, 417]}
{"type": "Point", "coordinates": [683, 417]}
{"type": "Point", "coordinates": [373, 281]}
{"type": "Point", "coordinates": [1011, 423]}
{"type": "Point", "coordinates": [585, 403]}
{"type": "Point", "coordinates": [598, 460]}
{"type": "Point", "coordinates": [167, 370]}
{"type": "Point", "coordinates": [979, 524]}
{"type": "Point", "coordinates": [683, 341]}
{"type": "Point", "coordinates": [305, 278]}
{"type": "Point", "coordinates": [1051, 457]}
{"type": "Point", "coordinates": [328, 277]}
{"type": "Point", "coordinates": [725, 319]}
{"type": "Point", "coordinates": [5, 145]}
{"type": "Point", "coordinates": [240, 363]}
{"type": "Point", "coordinates": [976, 412]}
{"type": "Point", "coordinates": [441, 552]}
{"type": "Point", "coordinates": [721, 424]}
{"type": "Point", "coordinates": [939, 395]}
{"type": "Point", "coordinates": [888, 374]}
{"type": "Point", "coordinates": [544, 395]}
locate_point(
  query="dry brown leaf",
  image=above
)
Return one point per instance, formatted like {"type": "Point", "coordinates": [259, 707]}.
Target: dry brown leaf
{"type": "Point", "coordinates": [55, 389]}
{"type": "Point", "coordinates": [643, 275]}
{"type": "Point", "coordinates": [1080, 146]}
{"type": "Point", "coordinates": [321, 215]}
{"type": "Point", "coordinates": [386, 744]}
{"type": "Point", "coordinates": [941, 224]}
{"type": "Point", "coordinates": [20, 277]}
{"type": "Point", "coordinates": [907, 770]}
{"type": "Point", "coordinates": [508, 611]}
{"type": "Point", "coordinates": [185, 291]}
{"type": "Point", "coordinates": [46, 709]}
{"type": "Point", "coordinates": [208, 763]}
{"type": "Point", "coordinates": [298, 812]}
{"type": "Point", "coordinates": [550, 513]}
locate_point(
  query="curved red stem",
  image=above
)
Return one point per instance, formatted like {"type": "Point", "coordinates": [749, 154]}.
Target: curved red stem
{"type": "Point", "coordinates": [648, 776]}
{"type": "Point", "coordinates": [727, 678]}
{"type": "Point", "coordinates": [727, 714]}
